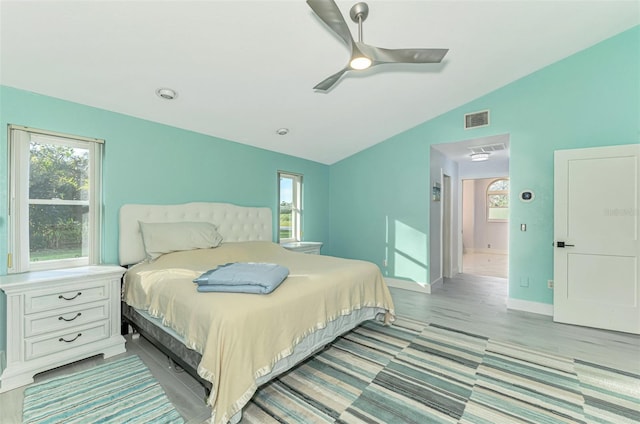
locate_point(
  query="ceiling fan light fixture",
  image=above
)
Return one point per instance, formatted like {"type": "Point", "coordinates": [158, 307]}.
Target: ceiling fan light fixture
{"type": "Point", "coordinates": [329, 13]}
{"type": "Point", "coordinates": [360, 63]}
{"type": "Point", "coordinates": [479, 157]}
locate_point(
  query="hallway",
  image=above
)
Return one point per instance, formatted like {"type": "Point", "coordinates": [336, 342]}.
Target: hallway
{"type": "Point", "coordinates": [486, 264]}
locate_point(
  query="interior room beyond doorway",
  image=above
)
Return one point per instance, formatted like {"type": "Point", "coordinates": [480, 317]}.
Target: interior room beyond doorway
{"type": "Point", "coordinates": [485, 236]}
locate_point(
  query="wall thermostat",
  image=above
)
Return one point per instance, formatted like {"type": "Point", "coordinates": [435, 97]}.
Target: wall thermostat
{"type": "Point", "coordinates": [527, 195]}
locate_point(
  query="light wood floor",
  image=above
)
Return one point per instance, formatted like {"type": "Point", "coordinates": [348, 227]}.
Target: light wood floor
{"type": "Point", "coordinates": [469, 303]}
{"type": "Point", "coordinates": [486, 264]}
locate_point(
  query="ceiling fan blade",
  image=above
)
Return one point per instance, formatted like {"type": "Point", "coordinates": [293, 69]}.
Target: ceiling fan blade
{"type": "Point", "coordinates": [330, 81]}
{"type": "Point", "coordinates": [328, 11]}
{"type": "Point", "coordinates": [381, 55]}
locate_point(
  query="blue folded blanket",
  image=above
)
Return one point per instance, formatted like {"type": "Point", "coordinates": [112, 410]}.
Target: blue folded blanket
{"type": "Point", "coordinates": [243, 277]}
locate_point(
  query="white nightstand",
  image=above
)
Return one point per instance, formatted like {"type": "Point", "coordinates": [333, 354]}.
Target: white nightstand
{"type": "Point", "coordinates": [311, 247]}
{"type": "Point", "coordinates": [58, 317]}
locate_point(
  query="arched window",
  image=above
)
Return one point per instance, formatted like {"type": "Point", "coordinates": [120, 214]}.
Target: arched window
{"type": "Point", "coordinates": [498, 201]}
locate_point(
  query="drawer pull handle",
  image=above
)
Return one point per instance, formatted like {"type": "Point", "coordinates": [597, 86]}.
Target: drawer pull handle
{"type": "Point", "coordinates": [62, 339]}
{"type": "Point", "coordinates": [70, 319]}
{"type": "Point", "coordinates": [69, 298]}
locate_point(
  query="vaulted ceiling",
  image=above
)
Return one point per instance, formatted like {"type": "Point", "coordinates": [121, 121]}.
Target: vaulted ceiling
{"type": "Point", "coordinates": [244, 69]}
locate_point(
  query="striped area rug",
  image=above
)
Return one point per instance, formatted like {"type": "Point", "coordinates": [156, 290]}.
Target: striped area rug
{"type": "Point", "coordinates": [122, 391]}
{"type": "Point", "coordinates": [412, 372]}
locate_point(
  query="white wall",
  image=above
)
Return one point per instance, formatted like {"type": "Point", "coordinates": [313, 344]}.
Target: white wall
{"type": "Point", "coordinates": [478, 234]}
{"type": "Point", "coordinates": [468, 214]}
{"type": "Point", "coordinates": [440, 164]}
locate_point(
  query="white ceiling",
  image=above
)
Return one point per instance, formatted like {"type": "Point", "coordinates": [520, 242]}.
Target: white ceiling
{"type": "Point", "coordinates": [496, 165]}
{"type": "Point", "coordinates": [243, 69]}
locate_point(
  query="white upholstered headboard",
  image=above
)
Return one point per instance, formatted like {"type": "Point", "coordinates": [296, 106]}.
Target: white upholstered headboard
{"type": "Point", "coordinates": [235, 223]}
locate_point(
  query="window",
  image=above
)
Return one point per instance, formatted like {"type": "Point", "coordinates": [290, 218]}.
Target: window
{"type": "Point", "coordinates": [498, 201]}
{"type": "Point", "coordinates": [289, 207]}
{"type": "Point", "coordinates": [55, 192]}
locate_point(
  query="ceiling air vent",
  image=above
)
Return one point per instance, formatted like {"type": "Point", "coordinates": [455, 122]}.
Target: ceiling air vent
{"type": "Point", "coordinates": [488, 148]}
{"type": "Point", "coordinates": [476, 119]}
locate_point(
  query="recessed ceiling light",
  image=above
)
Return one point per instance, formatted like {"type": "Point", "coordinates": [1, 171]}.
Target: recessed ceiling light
{"type": "Point", "coordinates": [166, 93]}
{"type": "Point", "coordinates": [282, 131]}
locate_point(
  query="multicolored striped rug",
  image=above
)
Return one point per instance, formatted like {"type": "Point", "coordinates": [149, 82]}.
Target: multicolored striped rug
{"type": "Point", "coordinates": [417, 373]}
{"type": "Point", "coordinates": [116, 392]}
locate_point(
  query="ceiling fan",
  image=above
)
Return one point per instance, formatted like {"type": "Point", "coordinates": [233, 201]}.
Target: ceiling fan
{"type": "Point", "coordinates": [363, 55]}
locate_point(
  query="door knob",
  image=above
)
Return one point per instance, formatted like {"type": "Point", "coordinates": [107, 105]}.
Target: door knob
{"type": "Point", "coordinates": [563, 244]}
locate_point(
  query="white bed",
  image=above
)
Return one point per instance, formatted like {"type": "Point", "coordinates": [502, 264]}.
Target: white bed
{"type": "Point", "coordinates": [236, 342]}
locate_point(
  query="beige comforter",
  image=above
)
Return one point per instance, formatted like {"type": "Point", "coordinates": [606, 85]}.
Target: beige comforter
{"type": "Point", "coordinates": [241, 336]}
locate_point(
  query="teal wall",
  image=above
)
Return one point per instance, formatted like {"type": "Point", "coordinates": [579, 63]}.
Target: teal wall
{"type": "Point", "coordinates": [146, 162]}
{"type": "Point", "coordinates": [373, 205]}
{"type": "Point", "coordinates": [380, 196]}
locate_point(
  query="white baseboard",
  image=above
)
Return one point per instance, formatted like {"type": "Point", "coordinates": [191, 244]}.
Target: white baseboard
{"type": "Point", "coordinates": [528, 306]}
{"type": "Point", "coordinates": [438, 284]}
{"type": "Point", "coordinates": [408, 285]}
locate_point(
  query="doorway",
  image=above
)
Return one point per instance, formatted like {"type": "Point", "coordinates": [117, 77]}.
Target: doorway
{"type": "Point", "coordinates": [485, 226]}
{"type": "Point", "coordinates": [450, 165]}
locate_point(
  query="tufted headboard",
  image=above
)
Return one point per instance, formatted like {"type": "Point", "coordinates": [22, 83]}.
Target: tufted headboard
{"type": "Point", "coordinates": [235, 223]}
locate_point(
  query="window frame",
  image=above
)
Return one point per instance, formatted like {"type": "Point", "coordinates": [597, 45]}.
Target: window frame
{"type": "Point", "coordinates": [296, 207]}
{"type": "Point", "coordinates": [497, 192]}
{"type": "Point", "coordinates": [19, 255]}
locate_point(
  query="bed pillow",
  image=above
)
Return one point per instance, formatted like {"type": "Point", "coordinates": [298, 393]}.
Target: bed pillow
{"type": "Point", "coordinates": [160, 238]}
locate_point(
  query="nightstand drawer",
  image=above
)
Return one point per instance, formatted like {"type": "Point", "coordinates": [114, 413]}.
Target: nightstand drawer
{"type": "Point", "coordinates": [68, 295]}
{"type": "Point", "coordinates": [309, 247]}
{"type": "Point", "coordinates": [58, 316]}
{"type": "Point", "coordinates": [42, 346]}
{"type": "Point", "coordinates": [61, 319]}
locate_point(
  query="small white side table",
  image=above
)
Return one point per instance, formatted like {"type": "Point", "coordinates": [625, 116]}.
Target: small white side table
{"type": "Point", "coordinates": [57, 317]}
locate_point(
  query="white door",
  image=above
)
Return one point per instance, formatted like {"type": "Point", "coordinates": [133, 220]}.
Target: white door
{"type": "Point", "coordinates": [596, 217]}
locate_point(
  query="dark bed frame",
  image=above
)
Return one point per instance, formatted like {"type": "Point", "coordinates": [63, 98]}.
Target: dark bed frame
{"type": "Point", "coordinates": [185, 358]}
